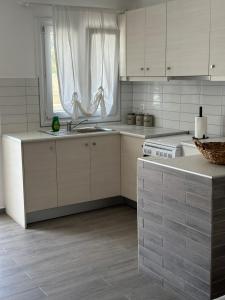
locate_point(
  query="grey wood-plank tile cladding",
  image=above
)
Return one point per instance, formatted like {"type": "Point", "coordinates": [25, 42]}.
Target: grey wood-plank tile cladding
{"type": "Point", "coordinates": [176, 236]}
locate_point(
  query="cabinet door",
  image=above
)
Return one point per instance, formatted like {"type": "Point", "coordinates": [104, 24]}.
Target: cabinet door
{"type": "Point", "coordinates": [131, 149]}
{"type": "Point", "coordinates": [105, 167]}
{"type": "Point", "coordinates": [217, 41]}
{"type": "Point", "coordinates": [155, 40]}
{"type": "Point", "coordinates": [188, 27]}
{"type": "Point", "coordinates": [136, 42]}
{"type": "Point", "coordinates": [73, 171]}
{"type": "Point", "coordinates": [40, 181]}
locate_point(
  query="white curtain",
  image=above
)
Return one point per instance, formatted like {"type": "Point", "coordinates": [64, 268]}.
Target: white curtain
{"type": "Point", "coordinates": [87, 51]}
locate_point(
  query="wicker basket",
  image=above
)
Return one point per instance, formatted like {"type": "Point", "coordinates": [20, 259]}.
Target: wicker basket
{"type": "Point", "coordinates": [212, 151]}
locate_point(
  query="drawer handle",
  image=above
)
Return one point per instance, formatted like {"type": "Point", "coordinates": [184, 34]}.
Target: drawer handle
{"type": "Point", "coordinates": [86, 144]}
{"type": "Point", "coordinates": [168, 68]}
{"type": "Point", "coordinates": [142, 69]}
{"type": "Point", "coordinates": [148, 69]}
{"type": "Point", "coordinates": [212, 66]}
{"type": "Point", "coordinates": [94, 144]}
{"type": "Point", "coordinates": [51, 148]}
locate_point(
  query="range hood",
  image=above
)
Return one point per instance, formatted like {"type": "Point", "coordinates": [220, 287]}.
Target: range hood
{"type": "Point", "coordinates": [207, 78]}
{"type": "Point", "coordinates": [202, 78]}
{"type": "Point", "coordinates": [171, 78]}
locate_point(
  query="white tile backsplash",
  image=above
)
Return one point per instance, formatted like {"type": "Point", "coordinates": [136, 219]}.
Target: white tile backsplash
{"type": "Point", "coordinates": [11, 82]}
{"type": "Point", "coordinates": [126, 96]}
{"type": "Point", "coordinates": [211, 100]}
{"type": "Point", "coordinates": [12, 101]}
{"type": "Point", "coordinates": [12, 91]}
{"type": "Point", "coordinates": [176, 103]}
{"type": "Point", "coordinates": [19, 104]}
{"type": "Point", "coordinates": [32, 91]}
{"type": "Point", "coordinates": [190, 99]}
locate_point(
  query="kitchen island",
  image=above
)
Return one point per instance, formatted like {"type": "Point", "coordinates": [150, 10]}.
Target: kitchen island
{"type": "Point", "coordinates": [181, 225]}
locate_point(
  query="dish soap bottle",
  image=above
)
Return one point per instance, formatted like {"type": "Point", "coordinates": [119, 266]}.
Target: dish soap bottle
{"type": "Point", "coordinates": [55, 124]}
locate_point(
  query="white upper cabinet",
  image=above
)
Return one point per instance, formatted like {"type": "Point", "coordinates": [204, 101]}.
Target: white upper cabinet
{"type": "Point", "coordinates": [217, 40]}
{"type": "Point", "coordinates": [188, 28]}
{"type": "Point", "coordinates": [155, 40]}
{"type": "Point", "coordinates": [177, 38]}
{"type": "Point", "coordinates": [146, 41]}
{"type": "Point", "coordinates": [136, 42]}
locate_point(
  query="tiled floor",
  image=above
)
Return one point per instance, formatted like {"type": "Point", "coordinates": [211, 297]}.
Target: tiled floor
{"type": "Point", "coordinates": [88, 256]}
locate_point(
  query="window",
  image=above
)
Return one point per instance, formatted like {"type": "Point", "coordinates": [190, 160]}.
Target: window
{"type": "Point", "coordinates": [50, 97]}
{"type": "Point", "coordinates": [49, 86]}
{"type": "Point", "coordinates": [57, 106]}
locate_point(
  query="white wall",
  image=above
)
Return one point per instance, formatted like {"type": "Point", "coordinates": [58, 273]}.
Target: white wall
{"type": "Point", "coordinates": [17, 51]}
{"type": "Point", "coordinates": [17, 41]}
{"type": "Point", "coordinates": [144, 3]}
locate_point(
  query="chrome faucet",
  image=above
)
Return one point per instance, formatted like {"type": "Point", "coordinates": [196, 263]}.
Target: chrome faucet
{"type": "Point", "coordinates": [70, 126]}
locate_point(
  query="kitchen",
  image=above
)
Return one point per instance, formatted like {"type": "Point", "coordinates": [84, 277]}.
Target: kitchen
{"type": "Point", "coordinates": [78, 188]}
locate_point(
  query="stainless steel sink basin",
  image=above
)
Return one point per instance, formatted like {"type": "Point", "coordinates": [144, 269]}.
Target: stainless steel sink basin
{"type": "Point", "coordinates": [91, 130]}
{"type": "Point", "coordinates": [64, 132]}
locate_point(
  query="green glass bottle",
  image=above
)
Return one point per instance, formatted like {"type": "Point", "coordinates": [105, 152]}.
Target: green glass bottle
{"type": "Point", "coordinates": [55, 124]}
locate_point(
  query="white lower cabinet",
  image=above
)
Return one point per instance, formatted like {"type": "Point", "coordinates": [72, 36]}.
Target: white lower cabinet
{"type": "Point", "coordinates": [70, 171]}
{"type": "Point", "coordinates": [39, 176]}
{"type": "Point", "coordinates": [73, 171]}
{"type": "Point", "coordinates": [88, 169]}
{"type": "Point", "coordinates": [105, 167]}
{"type": "Point", "coordinates": [131, 149]}
{"type": "Point", "coordinates": [51, 175]}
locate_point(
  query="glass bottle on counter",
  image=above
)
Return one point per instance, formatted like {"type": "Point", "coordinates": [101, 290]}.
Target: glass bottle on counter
{"type": "Point", "coordinates": [55, 124]}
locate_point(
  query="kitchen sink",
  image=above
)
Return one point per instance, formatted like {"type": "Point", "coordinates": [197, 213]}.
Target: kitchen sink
{"type": "Point", "coordinates": [64, 132]}
{"type": "Point", "coordinates": [91, 129]}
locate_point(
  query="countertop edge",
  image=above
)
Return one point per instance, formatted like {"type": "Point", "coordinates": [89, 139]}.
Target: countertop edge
{"type": "Point", "coordinates": [47, 137]}
{"type": "Point", "coordinates": [161, 164]}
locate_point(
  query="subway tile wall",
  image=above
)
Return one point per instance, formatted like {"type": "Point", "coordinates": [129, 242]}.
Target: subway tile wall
{"type": "Point", "coordinates": [19, 105]}
{"type": "Point", "coordinates": [176, 103]}
{"type": "Point", "coordinates": [126, 95]}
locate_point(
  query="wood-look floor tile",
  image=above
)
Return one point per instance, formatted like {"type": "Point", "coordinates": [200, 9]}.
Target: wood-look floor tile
{"type": "Point", "coordinates": [89, 256]}
{"type": "Point", "coordinates": [34, 294]}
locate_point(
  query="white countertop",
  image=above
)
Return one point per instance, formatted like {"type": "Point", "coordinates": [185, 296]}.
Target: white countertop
{"type": "Point", "coordinates": [195, 164]}
{"type": "Point", "coordinates": [136, 131]}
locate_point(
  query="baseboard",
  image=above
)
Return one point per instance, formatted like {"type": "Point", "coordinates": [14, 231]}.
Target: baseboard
{"type": "Point", "coordinates": [130, 203]}
{"type": "Point", "coordinates": [73, 209]}
{"type": "Point", "coordinates": [2, 211]}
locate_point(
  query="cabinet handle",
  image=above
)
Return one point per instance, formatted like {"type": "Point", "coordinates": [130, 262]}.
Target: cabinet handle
{"type": "Point", "coordinates": [148, 69]}
{"type": "Point", "coordinates": [212, 66]}
{"type": "Point", "coordinates": [86, 144]}
{"type": "Point", "coordinates": [94, 144]}
{"type": "Point", "coordinates": [51, 148]}
{"type": "Point", "coordinates": [142, 69]}
{"type": "Point", "coordinates": [168, 68]}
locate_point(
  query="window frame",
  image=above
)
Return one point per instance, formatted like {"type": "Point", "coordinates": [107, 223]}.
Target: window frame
{"type": "Point", "coordinates": [45, 120]}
